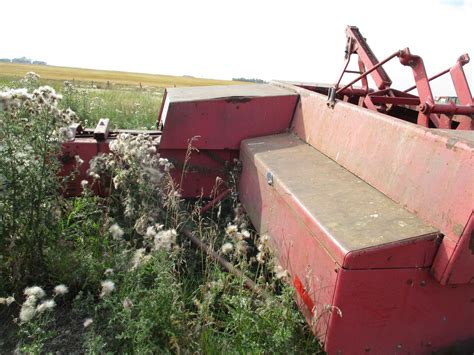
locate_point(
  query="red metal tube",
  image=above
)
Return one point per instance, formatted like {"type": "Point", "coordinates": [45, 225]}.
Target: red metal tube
{"type": "Point", "coordinates": [449, 109]}
{"type": "Point", "coordinates": [396, 54]}
{"type": "Point", "coordinates": [217, 199]}
{"type": "Point", "coordinates": [432, 78]}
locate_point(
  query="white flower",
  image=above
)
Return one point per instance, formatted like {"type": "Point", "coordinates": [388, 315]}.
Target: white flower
{"type": "Point", "coordinates": [27, 313]}
{"type": "Point", "coordinates": [109, 272]}
{"type": "Point", "coordinates": [107, 287]}
{"type": "Point", "coordinates": [34, 291]}
{"type": "Point", "coordinates": [231, 229]}
{"type": "Point", "coordinates": [227, 248]}
{"type": "Point", "coordinates": [45, 306]}
{"type": "Point", "coordinates": [261, 258]}
{"type": "Point", "coordinates": [31, 75]}
{"type": "Point", "coordinates": [87, 322]}
{"type": "Point", "coordinates": [165, 240]}
{"type": "Point", "coordinates": [264, 239]}
{"type": "Point", "coordinates": [116, 181]}
{"type": "Point", "coordinates": [280, 273]}
{"type": "Point", "coordinates": [61, 290]}
{"type": "Point", "coordinates": [137, 258]}
{"type": "Point", "coordinates": [8, 300]}
{"type": "Point", "coordinates": [241, 247]}
{"type": "Point", "coordinates": [127, 303]}
{"type": "Point", "coordinates": [30, 301]}
{"type": "Point", "coordinates": [150, 232]}
{"type": "Point", "coordinates": [116, 231]}
{"type": "Point", "coordinates": [79, 161]}
{"type": "Point", "coordinates": [84, 183]}
{"type": "Point", "coordinates": [245, 233]}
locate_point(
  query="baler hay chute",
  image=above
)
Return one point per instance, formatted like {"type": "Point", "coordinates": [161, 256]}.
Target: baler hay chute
{"type": "Point", "coordinates": [367, 194]}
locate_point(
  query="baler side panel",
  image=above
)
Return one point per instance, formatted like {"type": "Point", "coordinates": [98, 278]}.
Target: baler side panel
{"type": "Point", "coordinates": [224, 123]}
{"type": "Point", "coordinates": [296, 246]}
{"type": "Point", "coordinates": [430, 172]}
{"type": "Point", "coordinates": [402, 311]}
{"type": "Point", "coordinates": [218, 118]}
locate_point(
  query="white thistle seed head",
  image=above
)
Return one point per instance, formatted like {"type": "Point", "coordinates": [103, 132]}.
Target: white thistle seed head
{"type": "Point", "coordinates": [116, 231]}
{"type": "Point", "coordinates": [61, 289]}
{"type": "Point", "coordinates": [227, 248]}
{"type": "Point", "coordinates": [107, 288]}
{"type": "Point", "coordinates": [35, 291]}
{"type": "Point", "coordinates": [45, 306]}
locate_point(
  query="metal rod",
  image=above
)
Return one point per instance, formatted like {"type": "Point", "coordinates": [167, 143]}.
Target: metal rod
{"type": "Point", "coordinates": [216, 200]}
{"type": "Point", "coordinates": [348, 59]}
{"type": "Point", "coordinates": [432, 78]}
{"type": "Point", "coordinates": [396, 54]}
{"type": "Point", "coordinates": [249, 284]}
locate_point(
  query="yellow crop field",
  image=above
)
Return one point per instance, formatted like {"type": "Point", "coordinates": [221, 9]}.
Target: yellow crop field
{"type": "Point", "coordinates": [105, 77]}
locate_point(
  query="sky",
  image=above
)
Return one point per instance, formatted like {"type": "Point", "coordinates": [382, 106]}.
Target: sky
{"type": "Point", "coordinates": [298, 40]}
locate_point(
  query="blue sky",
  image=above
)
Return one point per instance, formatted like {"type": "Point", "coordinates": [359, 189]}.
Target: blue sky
{"type": "Point", "coordinates": [292, 40]}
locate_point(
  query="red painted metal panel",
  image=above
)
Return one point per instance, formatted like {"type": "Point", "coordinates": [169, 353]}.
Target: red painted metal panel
{"type": "Point", "coordinates": [203, 170]}
{"type": "Point", "coordinates": [430, 172]}
{"type": "Point", "coordinates": [414, 244]}
{"type": "Point", "coordinates": [417, 252]}
{"type": "Point", "coordinates": [461, 267]}
{"type": "Point", "coordinates": [297, 248]}
{"type": "Point", "coordinates": [399, 311]}
{"type": "Point", "coordinates": [219, 118]}
{"type": "Point", "coordinates": [86, 149]}
{"type": "Point", "coordinates": [224, 123]}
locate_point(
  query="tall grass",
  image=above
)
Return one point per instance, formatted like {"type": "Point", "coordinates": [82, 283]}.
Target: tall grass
{"type": "Point", "coordinates": [126, 108]}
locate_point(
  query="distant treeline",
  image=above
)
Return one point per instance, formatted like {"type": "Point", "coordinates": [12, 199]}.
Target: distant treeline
{"type": "Point", "coordinates": [258, 81]}
{"type": "Point", "coordinates": [22, 60]}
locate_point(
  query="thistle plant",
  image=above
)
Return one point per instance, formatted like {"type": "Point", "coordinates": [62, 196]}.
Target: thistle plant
{"type": "Point", "coordinates": [32, 128]}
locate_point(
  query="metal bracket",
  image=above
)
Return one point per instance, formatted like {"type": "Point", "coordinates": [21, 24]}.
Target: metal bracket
{"type": "Point", "coordinates": [101, 131]}
{"type": "Point", "coordinates": [331, 102]}
{"type": "Point", "coordinates": [269, 178]}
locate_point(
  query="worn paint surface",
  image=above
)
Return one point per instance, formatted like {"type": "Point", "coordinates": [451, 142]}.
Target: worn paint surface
{"type": "Point", "coordinates": [399, 311]}
{"type": "Point", "coordinates": [422, 169]}
{"type": "Point", "coordinates": [354, 217]}
{"type": "Point", "coordinates": [221, 119]}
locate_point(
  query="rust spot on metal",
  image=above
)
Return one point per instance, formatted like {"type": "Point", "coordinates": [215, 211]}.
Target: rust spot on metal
{"type": "Point", "coordinates": [451, 143]}
{"type": "Point", "coordinates": [238, 99]}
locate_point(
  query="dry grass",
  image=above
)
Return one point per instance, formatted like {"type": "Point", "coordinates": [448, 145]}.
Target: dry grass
{"type": "Point", "coordinates": [101, 77]}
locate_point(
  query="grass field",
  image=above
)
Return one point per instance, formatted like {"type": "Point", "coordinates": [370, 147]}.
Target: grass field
{"type": "Point", "coordinates": [129, 100]}
{"type": "Point", "coordinates": [100, 78]}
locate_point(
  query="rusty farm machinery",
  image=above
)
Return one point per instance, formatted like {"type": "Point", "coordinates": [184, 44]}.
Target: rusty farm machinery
{"type": "Point", "coordinates": [367, 194]}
